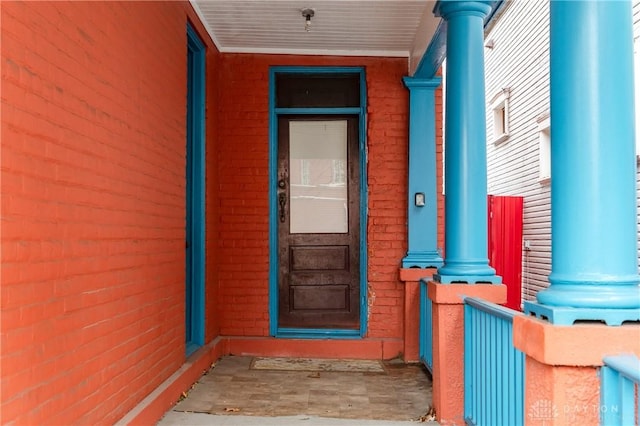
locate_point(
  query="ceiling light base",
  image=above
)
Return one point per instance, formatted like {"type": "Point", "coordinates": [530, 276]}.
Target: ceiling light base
{"type": "Point", "coordinates": [307, 14]}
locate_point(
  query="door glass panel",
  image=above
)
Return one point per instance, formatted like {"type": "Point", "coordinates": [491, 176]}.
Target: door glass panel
{"type": "Point", "coordinates": [318, 177]}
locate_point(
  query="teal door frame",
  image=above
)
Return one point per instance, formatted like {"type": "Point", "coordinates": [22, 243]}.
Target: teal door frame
{"type": "Point", "coordinates": [195, 194]}
{"type": "Point", "coordinates": [274, 112]}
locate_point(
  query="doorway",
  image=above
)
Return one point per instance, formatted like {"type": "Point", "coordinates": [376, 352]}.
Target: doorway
{"type": "Point", "coordinates": [318, 222]}
{"type": "Point", "coordinates": [317, 199]}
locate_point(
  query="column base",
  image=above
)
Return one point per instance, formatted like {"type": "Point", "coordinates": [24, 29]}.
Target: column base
{"type": "Point", "coordinates": [562, 363]}
{"type": "Point", "coordinates": [448, 343]}
{"type": "Point", "coordinates": [468, 279]}
{"type": "Point", "coordinates": [422, 260]}
{"type": "Point", "coordinates": [562, 315]}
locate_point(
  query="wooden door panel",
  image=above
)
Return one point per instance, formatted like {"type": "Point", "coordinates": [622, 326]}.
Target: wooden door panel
{"type": "Point", "coordinates": [320, 258]}
{"type": "Point", "coordinates": [320, 297]}
{"type": "Point", "coordinates": [319, 274]}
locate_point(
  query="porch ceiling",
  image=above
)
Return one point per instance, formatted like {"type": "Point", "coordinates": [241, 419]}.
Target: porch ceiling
{"type": "Point", "coordinates": [391, 28]}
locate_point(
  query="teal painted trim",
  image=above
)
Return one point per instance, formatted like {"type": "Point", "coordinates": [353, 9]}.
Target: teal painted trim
{"type": "Point", "coordinates": [495, 8]}
{"type": "Point", "coordinates": [198, 181]}
{"type": "Point", "coordinates": [479, 8]}
{"type": "Point", "coordinates": [364, 207]}
{"type": "Point", "coordinates": [492, 309]}
{"type": "Point", "coordinates": [470, 353]}
{"type": "Point", "coordinates": [435, 53]}
{"type": "Point", "coordinates": [191, 348]}
{"type": "Point", "coordinates": [274, 330]}
{"type": "Point", "coordinates": [422, 220]}
{"type": "Point", "coordinates": [437, 49]}
{"type": "Point", "coordinates": [426, 327]}
{"type": "Point", "coordinates": [562, 315]}
{"type": "Point", "coordinates": [627, 365]}
{"type": "Point", "coordinates": [323, 111]}
{"type": "Point", "coordinates": [494, 376]}
{"type": "Point", "coordinates": [273, 208]}
{"type": "Point", "coordinates": [315, 70]}
{"type": "Point", "coordinates": [594, 258]}
{"type": "Point", "coordinates": [317, 333]}
{"type": "Point", "coordinates": [423, 259]}
{"type": "Point", "coordinates": [619, 401]}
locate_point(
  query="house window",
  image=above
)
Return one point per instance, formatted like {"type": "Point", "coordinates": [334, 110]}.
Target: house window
{"type": "Point", "coordinates": [500, 108]}
{"type": "Point", "coordinates": [544, 148]}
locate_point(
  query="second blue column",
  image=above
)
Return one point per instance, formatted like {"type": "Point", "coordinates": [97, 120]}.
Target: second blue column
{"type": "Point", "coordinates": [466, 258]}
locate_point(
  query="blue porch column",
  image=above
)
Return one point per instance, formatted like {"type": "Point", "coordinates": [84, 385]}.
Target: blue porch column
{"type": "Point", "coordinates": [466, 258]}
{"type": "Point", "coordinates": [423, 219]}
{"type": "Point", "coordinates": [594, 272]}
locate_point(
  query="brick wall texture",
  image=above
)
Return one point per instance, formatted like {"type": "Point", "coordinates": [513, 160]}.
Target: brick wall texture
{"type": "Point", "coordinates": [243, 178]}
{"type": "Point", "coordinates": [93, 202]}
{"type": "Point", "coordinates": [93, 206]}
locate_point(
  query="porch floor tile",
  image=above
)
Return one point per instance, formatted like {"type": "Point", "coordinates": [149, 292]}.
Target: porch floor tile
{"type": "Point", "coordinates": [401, 393]}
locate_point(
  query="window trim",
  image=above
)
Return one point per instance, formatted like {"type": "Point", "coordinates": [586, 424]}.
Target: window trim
{"type": "Point", "coordinates": [501, 115]}
{"type": "Point", "coordinates": [544, 149]}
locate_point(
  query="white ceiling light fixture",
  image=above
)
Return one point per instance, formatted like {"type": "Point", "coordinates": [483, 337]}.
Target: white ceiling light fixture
{"type": "Point", "coordinates": [307, 14]}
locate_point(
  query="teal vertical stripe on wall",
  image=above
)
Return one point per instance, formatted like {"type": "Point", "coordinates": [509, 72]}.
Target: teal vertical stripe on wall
{"type": "Point", "coordinates": [195, 198]}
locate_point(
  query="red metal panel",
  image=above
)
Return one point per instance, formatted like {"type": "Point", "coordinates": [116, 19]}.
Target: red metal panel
{"type": "Point", "coordinates": [505, 244]}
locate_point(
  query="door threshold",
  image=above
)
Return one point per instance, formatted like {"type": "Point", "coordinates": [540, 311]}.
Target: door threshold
{"type": "Point", "coordinates": [318, 333]}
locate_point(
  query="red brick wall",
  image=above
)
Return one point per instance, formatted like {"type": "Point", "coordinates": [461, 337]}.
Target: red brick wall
{"type": "Point", "coordinates": [244, 182]}
{"type": "Point", "coordinates": [387, 139]}
{"type": "Point", "coordinates": [93, 207]}
{"type": "Point", "coordinates": [212, 282]}
{"type": "Point", "coordinates": [244, 230]}
{"type": "Point", "coordinates": [93, 137]}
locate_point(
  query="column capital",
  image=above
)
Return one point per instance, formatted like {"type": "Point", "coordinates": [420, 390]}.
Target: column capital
{"type": "Point", "coordinates": [421, 83]}
{"type": "Point", "coordinates": [447, 8]}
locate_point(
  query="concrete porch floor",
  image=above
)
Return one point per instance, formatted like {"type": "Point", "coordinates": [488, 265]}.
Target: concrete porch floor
{"type": "Point", "coordinates": [234, 393]}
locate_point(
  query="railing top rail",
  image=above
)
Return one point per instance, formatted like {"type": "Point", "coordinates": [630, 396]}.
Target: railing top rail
{"type": "Point", "coordinates": [627, 364]}
{"type": "Point", "coordinates": [491, 308]}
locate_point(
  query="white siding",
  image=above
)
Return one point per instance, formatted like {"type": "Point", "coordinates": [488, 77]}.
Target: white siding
{"type": "Point", "coordinates": [519, 60]}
